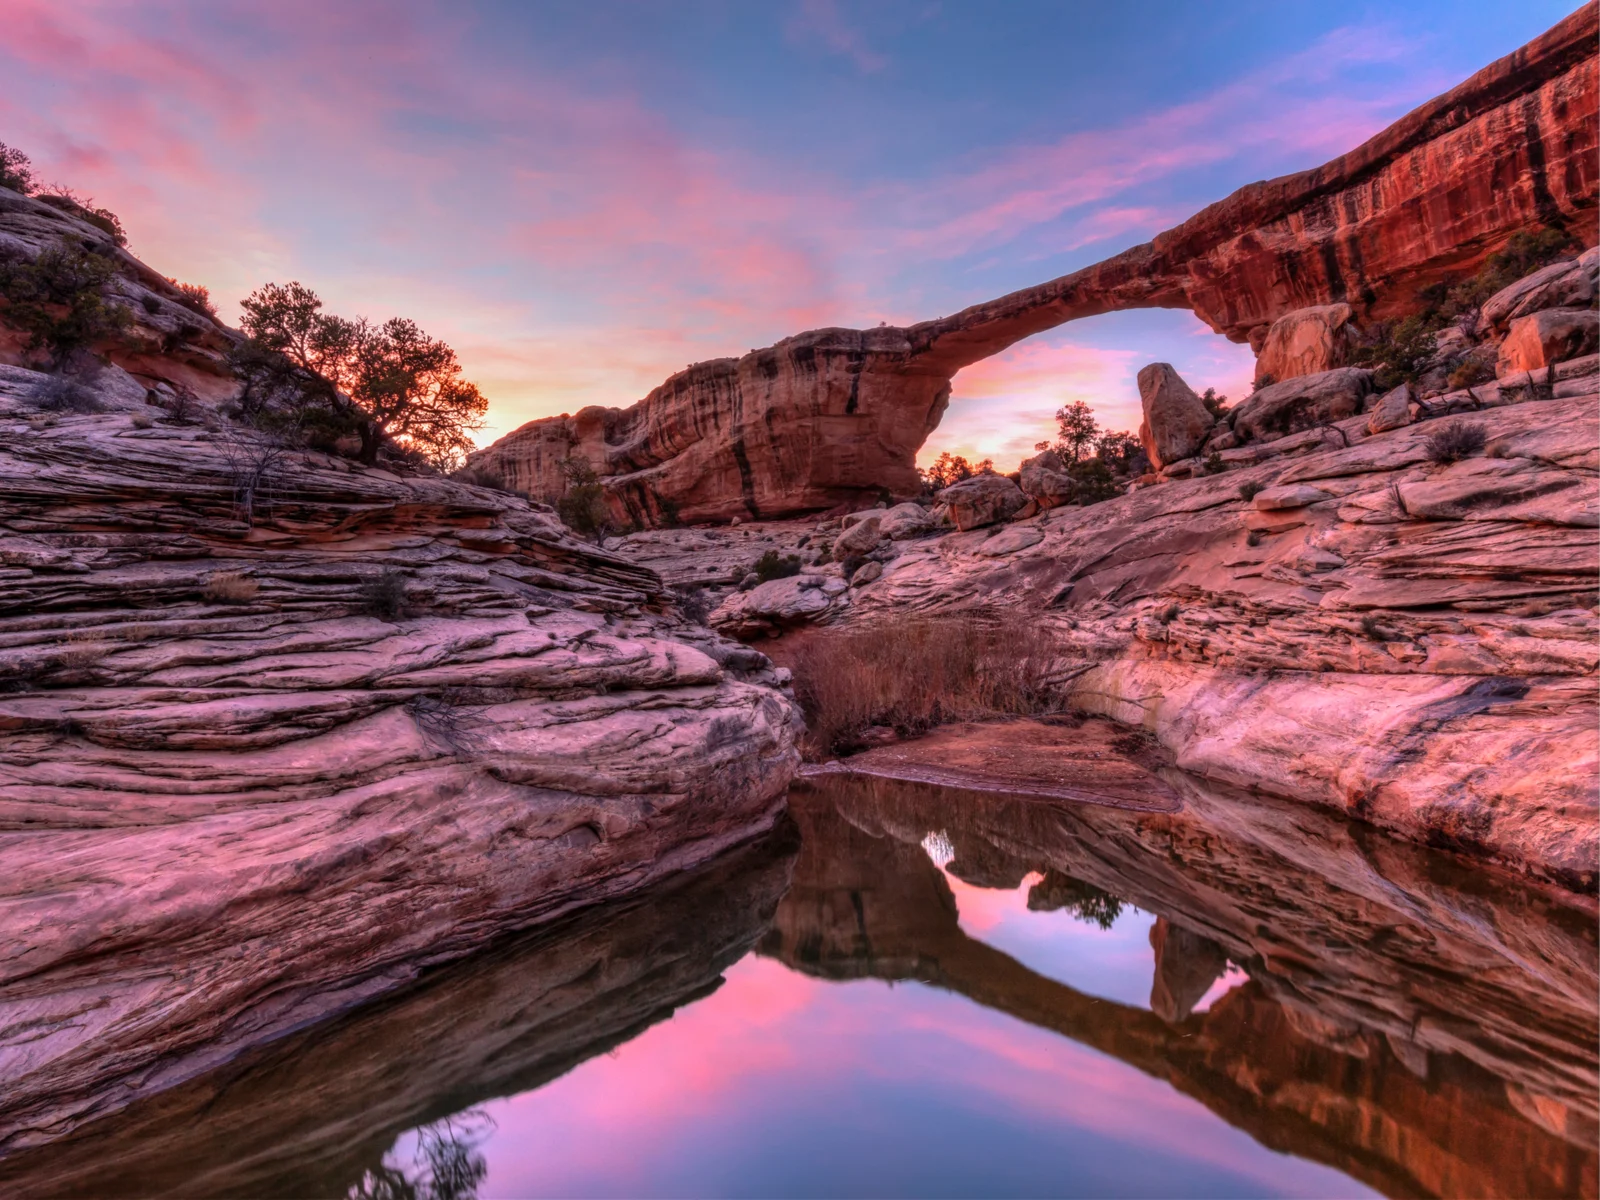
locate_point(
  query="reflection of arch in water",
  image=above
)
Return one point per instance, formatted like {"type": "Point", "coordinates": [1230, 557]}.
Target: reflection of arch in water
{"type": "Point", "coordinates": [867, 902]}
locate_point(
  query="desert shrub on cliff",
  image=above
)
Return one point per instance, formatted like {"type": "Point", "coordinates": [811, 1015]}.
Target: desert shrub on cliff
{"type": "Point", "coordinates": [196, 298]}
{"type": "Point", "coordinates": [1099, 462]}
{"type": "Point", "coordinates": [103, 219]}
{"type": "Point", "coordinates": [16, 170]}
{"type": "Point", "coordinates": [1455, 441]}
{"type": "Point", "coordinates": [1250, 490]}
{"type": "Point", "coordinates": [911, 675]}
{"type": "Point", "coordinates": [1399, 351]}
{"type": "Point", "coordinates": [230, 587]}
{"type": "Point", "coordinates": [59, 299]}
{"type": "Point", "coordinates": [57, 394]}
{"type": "Point", "coordinates": [772, 565]}
{"type": "Point", "coordinates": [583, 508]}
{"type": "Point", "coordinates": [391, 384]}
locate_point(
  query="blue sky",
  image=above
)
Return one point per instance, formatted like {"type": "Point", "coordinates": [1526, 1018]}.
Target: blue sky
{"type": "Point", "coordinates": [585, 197]}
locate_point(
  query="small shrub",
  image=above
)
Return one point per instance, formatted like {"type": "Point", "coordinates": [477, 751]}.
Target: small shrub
{"type": "Point", "coordinates": [196, 298]}
{"type": "Point", "coordinates": [911, 675]}
{"type": "Point", "coordinates": [1216, 405]}
{"type": "Point", "coordinates": [852, 563]}
{"type": "Point", "coordinates": [1373, 630]}
{"type": "Point", "coordinates": [1253, 538]}
{"type": "Point", "coordinates": [1249, 491]}
{"type": "Point", "coordinates": [693, 602]}
{"type": "Point", "coordinates": [384, 595]}
{"type": "Point", "coordinates": [480, 477]}
{"type": "Point", "coordinates": [1470, 372]}
{"type": "Point", "coordinates": [103, 219]}
{"type": "Point", "coordinates": [1214, 464]}
{"type": "Point", "coordinates": [58, 394]}
{"type": "Point", "coordinates": [773, 566]}
{"type": "Point", "coordinates": [1455, 441]}
{"type": "Point", "coordinates": [1399, 352]}
{"type": "Point", "coordinates": [230, 587]}
{"type": "Point", "coordinates": [583, 509]}
{"type": "Point", "coordinates": [142, 420]}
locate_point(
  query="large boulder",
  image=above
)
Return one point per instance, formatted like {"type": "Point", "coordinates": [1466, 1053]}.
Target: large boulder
{"type": "Point", "coordinates": [1568, 284]}
{"type": "Point", "coordinates": [1044, 478]}
{"type": "Point", "coordinates": [905, 521]}
{"type": "Point", "coordinates": [1392, 411]}
{"type": "Point", "coordinates": [1545, 338]}
{"type": "Point", "coordinates": [1295, 404]}
{"type": "Point", "coordinates": [1176, 422]}
{"type": "Point", "coordinates": [982, 500]}
{"type": "Point", "coordinates": [780, 604]}
{"type": "Point", "coordinates": [1307, 341]}
{"type": "Point", "coordinates": [860, 538]}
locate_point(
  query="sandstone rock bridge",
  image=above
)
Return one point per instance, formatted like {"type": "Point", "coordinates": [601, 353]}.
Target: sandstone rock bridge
{"type": "Point", "coordinates": [833, 415]}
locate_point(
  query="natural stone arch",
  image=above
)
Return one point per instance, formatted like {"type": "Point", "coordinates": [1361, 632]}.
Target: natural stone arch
{"type": "Point", "coordinates": [835, 415]}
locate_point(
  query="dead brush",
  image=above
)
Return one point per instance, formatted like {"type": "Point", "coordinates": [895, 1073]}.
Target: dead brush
{"type": "Point", "coordinates": [230, 587]}
{"type": "Point", "coordinates": [912, 675]}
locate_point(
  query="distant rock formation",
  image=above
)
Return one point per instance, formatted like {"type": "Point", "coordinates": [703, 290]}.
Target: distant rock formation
{"type": "Point", "coordinates": [834, 415]}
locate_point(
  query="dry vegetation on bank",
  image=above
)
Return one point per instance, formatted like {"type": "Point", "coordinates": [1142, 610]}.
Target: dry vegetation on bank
{"type": "Point", "coordinates": [857, 685]}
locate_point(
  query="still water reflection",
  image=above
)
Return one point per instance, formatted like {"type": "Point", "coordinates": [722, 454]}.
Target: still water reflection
{"type": "Point", "coordinates": [939, 993]}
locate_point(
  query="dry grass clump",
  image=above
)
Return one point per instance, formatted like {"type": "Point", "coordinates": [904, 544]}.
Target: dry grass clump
{"type": "Point", "coordinates": [910, 675]}
{"type": "Point", "coordinates": [230, 587]}
{"type": "Point", "coordinates": [1455, 441]}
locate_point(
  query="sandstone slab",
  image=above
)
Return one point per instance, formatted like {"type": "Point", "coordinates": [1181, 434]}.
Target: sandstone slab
{"type": "Point", "coordinates": [1307, 341]}
{"type": "Point", "coordinates": [1547, 337]}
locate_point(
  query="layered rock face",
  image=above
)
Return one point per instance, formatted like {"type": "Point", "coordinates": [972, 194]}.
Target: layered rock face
{"type": "Point", "coordinates": [836, 414]}
{"type": "Point", "coordinates": [166, 345]}
{"type": "Point", "coordinates": [278, 731]}
{"type": "Point", "coordinates": [1426, 1031]}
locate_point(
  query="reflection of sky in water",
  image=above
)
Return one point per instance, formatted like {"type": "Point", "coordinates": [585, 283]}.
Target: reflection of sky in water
{"type": "Point", "coordinates": [779, 1084]}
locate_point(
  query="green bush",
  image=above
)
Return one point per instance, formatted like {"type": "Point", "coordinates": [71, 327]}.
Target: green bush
{"type": "Point", "coordinates": [772, 566]}
{"type": "Point", "coordinates": [59, 299]}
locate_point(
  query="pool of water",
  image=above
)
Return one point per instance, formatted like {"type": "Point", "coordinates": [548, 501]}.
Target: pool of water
{"type": "Point", "coordinates": [909, 990]}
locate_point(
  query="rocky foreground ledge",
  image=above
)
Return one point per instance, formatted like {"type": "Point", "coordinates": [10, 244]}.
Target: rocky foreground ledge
{"type": "Point", "coordinates": [277, 731]}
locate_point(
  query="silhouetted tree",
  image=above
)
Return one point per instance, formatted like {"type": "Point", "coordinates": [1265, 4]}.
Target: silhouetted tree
{"type": "Point", "coordinates": [951, 468]}
{"type": "Point", "coordinates": [389, 382]}
{"type": "Point", "coordinates": [16, 170]}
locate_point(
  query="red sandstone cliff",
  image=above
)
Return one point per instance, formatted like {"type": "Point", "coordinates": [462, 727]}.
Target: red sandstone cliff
{"type": "Point", "coordinates": [834, 414]}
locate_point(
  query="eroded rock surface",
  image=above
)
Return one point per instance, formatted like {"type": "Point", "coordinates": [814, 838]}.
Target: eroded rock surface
{"type": "Point", "coordinates": [1336, 618]}
{"type": "Point", "coordinates": [832, 415]}
{"type": "Point", "coordinates": [166, 344]}
{"type": "Point", "coordinates": [274, 737]}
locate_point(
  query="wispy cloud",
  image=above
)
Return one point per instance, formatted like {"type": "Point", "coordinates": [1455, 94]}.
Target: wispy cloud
{"type": "Point", "coordinates": [821, 21]}
{"type": "Point", "coordinates": [574, 242]}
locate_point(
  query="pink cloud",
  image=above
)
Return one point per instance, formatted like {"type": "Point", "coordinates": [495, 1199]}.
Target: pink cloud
{"type": "Point", "coordinates": [574, 245]}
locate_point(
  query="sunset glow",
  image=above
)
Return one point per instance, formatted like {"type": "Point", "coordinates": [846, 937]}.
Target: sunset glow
{"type": "Point", "coordinates": [583, 202]}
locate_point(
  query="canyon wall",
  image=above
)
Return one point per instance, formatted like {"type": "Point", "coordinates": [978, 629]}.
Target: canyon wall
{"type": "Point", "coordinates": [837, 415]}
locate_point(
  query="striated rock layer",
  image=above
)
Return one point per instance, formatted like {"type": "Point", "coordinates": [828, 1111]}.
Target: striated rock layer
{"type": "Point", "coordinates": [835, 414]}
{"type": "Point", "coordinates": [277, 731]}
